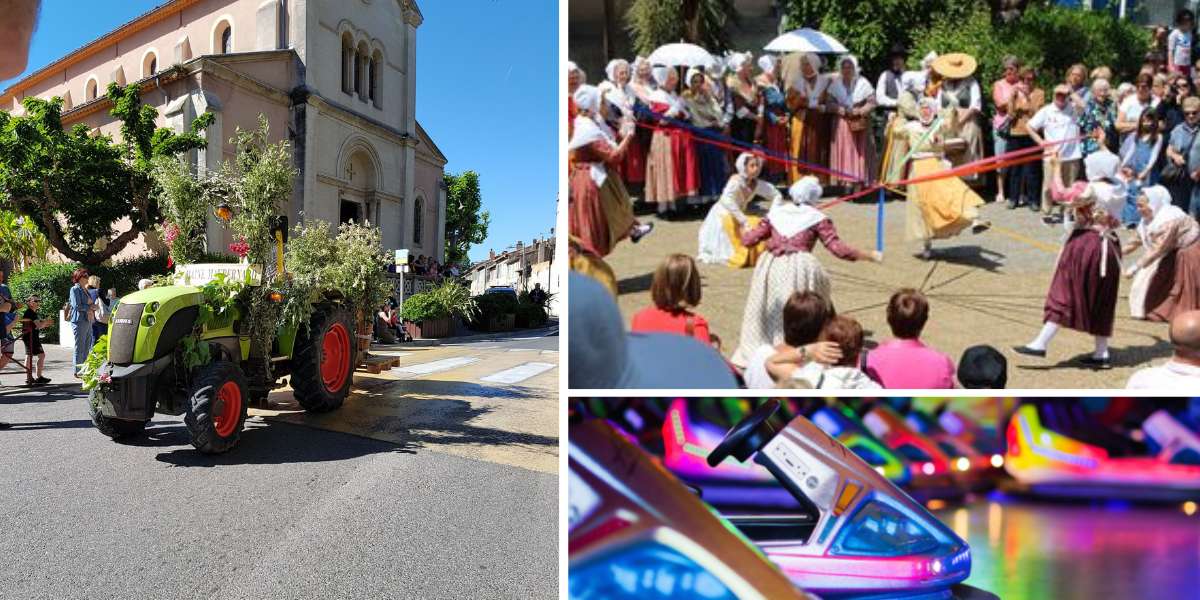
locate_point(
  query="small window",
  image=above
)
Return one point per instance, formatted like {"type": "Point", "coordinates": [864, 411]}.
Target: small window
{"type": "Point", "coordinates": [372, 79]}
{"type": "Point", "coordinates": [418, 225]}
{"type": "Point", "coordinates": [347, 64]}
{"type": "Point", "coordinates": [149, 65]}
{"type": "Point", "coordinates": [358, 74]}
{"type": "Point", "coordinates": [89, 91]}
{"type": "Point", "coordinates": [227, 40]}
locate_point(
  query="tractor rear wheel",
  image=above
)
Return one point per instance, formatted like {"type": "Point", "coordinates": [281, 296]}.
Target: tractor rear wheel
{"type": "Point", "coordinates": [324, 359]}
{"type": "Point", "coordinates": [216, 407]}
{"type": "Point", "coordinates": [113, 428]}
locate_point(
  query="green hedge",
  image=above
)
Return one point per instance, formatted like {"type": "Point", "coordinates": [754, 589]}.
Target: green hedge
{"type": "Point", "coordinates": [51, 282]}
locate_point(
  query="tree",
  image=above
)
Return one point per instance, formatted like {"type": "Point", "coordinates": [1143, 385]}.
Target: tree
{"type": "Point", "coordinates": [466, 222]}
{"type": "Point", "coordinates": [653, 23]}
{"type": "Point", "coordinates": [75, 186]}
{"type": "Point", "coordinates": [20, 240]}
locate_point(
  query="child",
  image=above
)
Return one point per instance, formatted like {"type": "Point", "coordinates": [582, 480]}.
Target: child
{"type": "Point", "coordinates": [1179, 44]}
{"type": "Point", "coordinates": [30, 326]}
{"type": "Point", "coordinates": [1139, 161]}
{"type": "Point", "coordinates": [845, 374]}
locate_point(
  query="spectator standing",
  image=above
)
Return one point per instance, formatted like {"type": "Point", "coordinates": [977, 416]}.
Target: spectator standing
{"type": "Point", "coordinates": [1131, 108]}
{"type": "Point", "coordinates": [1139, 162]}
{"type": "Point", "coordinates": [31, 325]}
{"type": "Point", "coordinates": [1056, 122]}
{"type": "Point", "coordinates": [1099, 113]}
{"type": "Point", "coordinates": [80, 316]}
{"type": "Point", "coordinates": [1002, 94]}
{"type": "Point", "coordinates": [1024, 181]}
{"type": "Point", "coordinates": [1182, 372]}
{"type": "Point", "coordinates": [537, 295]}
{"type": "Point", "coordinates": [1078, 84]}
{"type": "Point", "coordinates": [905, 362]}
{"type": "Point", "coordinates": [8, 317]}
{"type": "Point", "coordinates": [1179, 43]}
{"type": "Point", "coordinates": [1178, 178]}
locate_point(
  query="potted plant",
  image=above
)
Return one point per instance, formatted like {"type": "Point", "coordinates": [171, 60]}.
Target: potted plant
{"type": "Point", "coordinates": [432, 314]}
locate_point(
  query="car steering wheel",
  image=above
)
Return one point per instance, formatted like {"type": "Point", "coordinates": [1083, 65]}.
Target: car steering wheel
{"type": "Point", "coordinates": [748, 436]}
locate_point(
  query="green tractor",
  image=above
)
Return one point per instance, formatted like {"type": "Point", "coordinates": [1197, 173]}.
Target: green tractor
{"type": "Point", "coordinates": [148, 373]}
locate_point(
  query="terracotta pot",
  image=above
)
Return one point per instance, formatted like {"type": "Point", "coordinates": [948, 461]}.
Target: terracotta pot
{"type": "Point", "coordinates": [435, 328]}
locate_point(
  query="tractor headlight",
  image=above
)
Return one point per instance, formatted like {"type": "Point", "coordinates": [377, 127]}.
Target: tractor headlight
{"type": "Point", "coordinates": [150, 320]}
{"type": "Point", "coordinates": [153, 307]}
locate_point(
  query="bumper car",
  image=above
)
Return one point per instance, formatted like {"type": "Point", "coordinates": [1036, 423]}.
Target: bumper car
{"type": "Point", "coordinates": [635, 532]}
{"type": "Point", "coordinates": [984, 439]}
{"type": "Point", "coordinates": [1056, 448]}
{"type": "Point", "coordinates": [973, 467]}
{"type": "Point", "coordinates": [933, 474]}
{"type": "Point", "coordinates": [860, 536]}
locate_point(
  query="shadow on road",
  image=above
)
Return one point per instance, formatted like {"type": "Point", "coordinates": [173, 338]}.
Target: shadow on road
{"type": "Point", "coordinates": [77, 423]}
{"type": "Point", "coordinates": [267, 444]}
{"type": "Point", "coordinates": [44, 393]}
{"type": "Point", "coordinates": [970, 256]}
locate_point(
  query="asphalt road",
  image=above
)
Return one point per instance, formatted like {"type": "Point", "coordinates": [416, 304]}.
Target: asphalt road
{"type": "Point", "coordinates": [295, 511]}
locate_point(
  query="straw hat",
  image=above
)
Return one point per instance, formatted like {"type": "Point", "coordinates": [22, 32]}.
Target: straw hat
{"type": "Point", "coordinates": [955, 66]}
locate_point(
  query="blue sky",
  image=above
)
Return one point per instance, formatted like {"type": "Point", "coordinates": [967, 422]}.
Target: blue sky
{"type": "Point", "coordinates": [485, 93]}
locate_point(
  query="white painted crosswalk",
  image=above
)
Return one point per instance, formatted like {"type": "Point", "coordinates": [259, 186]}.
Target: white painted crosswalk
{"type": "Point", "coordinates": [436, 366]}
{"type": "Point", "coordinates": [519, 373]}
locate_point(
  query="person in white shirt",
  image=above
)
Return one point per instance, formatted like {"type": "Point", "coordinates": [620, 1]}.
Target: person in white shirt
{"type": "Point", "coordinates": [1056, 122]}
{"type": "Point", "coordinates": [1182, 372]}
{"type": "Point", "coordinates": [1130, 109]}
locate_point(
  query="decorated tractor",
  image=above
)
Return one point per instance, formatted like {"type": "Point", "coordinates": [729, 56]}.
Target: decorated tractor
{"type": "Point", "coordinates": [158, 359]}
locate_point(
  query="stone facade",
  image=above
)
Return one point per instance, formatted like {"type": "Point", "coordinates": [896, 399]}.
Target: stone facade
{"type": "Point", "coordinates": [336, 79]}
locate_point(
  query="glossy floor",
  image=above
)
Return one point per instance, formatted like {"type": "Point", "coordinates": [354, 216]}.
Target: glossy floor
{"type": "Point", "coordinates": [1032, 550]}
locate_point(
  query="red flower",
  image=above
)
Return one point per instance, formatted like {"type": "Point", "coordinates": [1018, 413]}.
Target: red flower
{"type": "Point", "coordinates": [240, 248]}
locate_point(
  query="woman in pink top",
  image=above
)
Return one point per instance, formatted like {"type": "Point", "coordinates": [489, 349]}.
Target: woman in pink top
{"type": "Point", "coordinates": [676, 291]}
{"type": "Point", "coordinates": [1002, 92]}
{"type": "Point", "coordinates": [905, 362]}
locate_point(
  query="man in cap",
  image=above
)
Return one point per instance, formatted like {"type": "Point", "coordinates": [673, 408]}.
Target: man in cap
{"type": "Point", "coordinates": [1056, 122]}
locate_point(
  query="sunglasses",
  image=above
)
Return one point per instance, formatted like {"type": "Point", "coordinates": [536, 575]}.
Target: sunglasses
{"type": "Point", "coordinates": [1190, 113]}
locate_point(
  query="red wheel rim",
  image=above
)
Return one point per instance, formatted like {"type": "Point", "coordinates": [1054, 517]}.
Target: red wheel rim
{"type": "Point", "coordinates": [335, 357]}
{"type": "Point", "coordinates": [226, 419]}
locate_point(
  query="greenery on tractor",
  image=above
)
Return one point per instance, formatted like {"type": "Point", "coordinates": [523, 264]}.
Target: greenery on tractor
{"type": "Point", "coordinates": [450, 299]}
{"type": "Point", "coordinates": [96, 373]}
{"type": "Point", "coordinates": [352, 261]}
{"type": "Point", "coordinates": [182, 200]}
{"type": "Point", "coordinates": [77, 187]}
{"type": "Point", "coordinates": [221, 297]}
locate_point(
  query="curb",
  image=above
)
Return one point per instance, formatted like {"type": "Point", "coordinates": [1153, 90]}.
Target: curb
{"type": "Point", "coordinates": [550, 329]}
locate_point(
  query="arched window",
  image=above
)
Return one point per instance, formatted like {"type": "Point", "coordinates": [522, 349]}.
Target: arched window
{"type": "Point", "coordinates": [149, 64]}
{"type": "Point", "coordinates": [89, 90]}
{"type": "Point", "coordinates": [223, 38]}
{"type": "Point", "coordinates": [347, 64]}
{"type": "Point", "coordinates": [373, 91]}
{"type": "Point", "coordinates": [418, 212]}
{"type": "Point", "coordinates": [360, 72]}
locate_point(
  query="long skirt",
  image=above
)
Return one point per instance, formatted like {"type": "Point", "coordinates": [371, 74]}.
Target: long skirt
{"type": "Point", "coordinates": [683, 153]}
{"type": "Point", "coordinates": [940, 208]}
{"type": "Point", "coordinates": [1167, 296]}
{"type": "Point", "coordinates": [972, 134]}
{"type": "Point", "coordinates": [775, 138]}
{"type": "Point", "coordinates": [660, 169]}
{"type": "Point", "coordinates": [810, 144]}
{"type": "Point", "coordinates": [853, 152]}
{"type": "Point", "coordinates": [720, 243]}
{"type": "Point", "coordinates": [775, 279]}
{"type": "Point", "coordinates": [600, 216]}
{"type": "Point", "coordinates": [711, 160]}
{"type": "Point", "coordinates": [1079, 298]}
{"type": "Point", "coordinates": [632, 168]}
{"type": "Point", "coordinates": [896, 149]}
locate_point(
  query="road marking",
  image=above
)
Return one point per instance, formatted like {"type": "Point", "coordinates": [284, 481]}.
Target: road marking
{"type": "Point", "coordinates": [522, 349]}
{"type": "Point", "coordinates": [518, 374]}
{"type": "Point", "coordinates": [549, 351]}
{"type": "Point", "coordinates": [435, 366]}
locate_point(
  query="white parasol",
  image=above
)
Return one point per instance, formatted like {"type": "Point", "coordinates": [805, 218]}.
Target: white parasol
{"type": "Point", "coordinates": [806, 40]}
{"type": "Point", "coordinates": [681, 55]}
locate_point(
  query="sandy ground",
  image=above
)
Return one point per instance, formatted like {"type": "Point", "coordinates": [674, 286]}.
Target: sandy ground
{"type": "Point", "coordinates": [983, 289]}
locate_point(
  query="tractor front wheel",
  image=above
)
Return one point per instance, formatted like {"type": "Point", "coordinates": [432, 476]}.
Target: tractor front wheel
{"type": "Point", "coordinates": [324, 359]}
{"type": "Point", "coordinates": [113, 428]}
{"type": "Point", "coordinates": [216, 407]}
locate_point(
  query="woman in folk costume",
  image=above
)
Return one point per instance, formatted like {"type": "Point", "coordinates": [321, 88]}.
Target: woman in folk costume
{"type": "Point", "coordinates": [1166, 279]}
{"type": "Point", "coordinates": [618, 92]}
{"type": "Point", "coordinates": [960, 91]}
{"type": "Point", "coordinates": [774, 131]}
{"type": "Point", "coordinates": [575, 78]}
{"type": "Point", "coordinates": [745, 98]}
{"type": "Point", "coordinates": [706, 115]}
{"type": "Point", "coordinates": [940, 208]}
{"type": "Point", "coordinates": [791, 229]}
{"type": "Point", "coordinates": [851, 99]}
{"type": "Point", "coordinates": [721, 232]}
{"type": "Point", "coordinates": [670, 164]}
{"type": "Point", "coordinates": [1083, 292]}
{"type": "Point", "coordinates": [806, 98]}
{"type": "Point", "coordinates": [601, 213]}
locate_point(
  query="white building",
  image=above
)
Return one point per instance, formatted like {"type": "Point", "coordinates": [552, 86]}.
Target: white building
{"type": "Point", "coordinates": [520, 269]}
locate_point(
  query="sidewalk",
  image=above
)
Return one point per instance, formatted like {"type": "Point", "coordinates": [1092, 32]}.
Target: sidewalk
{"type": "Point", "coordinates": [58, 368]}
{"type": "Point", "coordinates": [549, 329]}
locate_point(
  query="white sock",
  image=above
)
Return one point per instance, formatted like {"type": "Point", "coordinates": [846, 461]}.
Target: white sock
{"type": "Point", "coordinates": [1101, 348]}
{"type": "Point", "coordinates": [1048, 330]}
